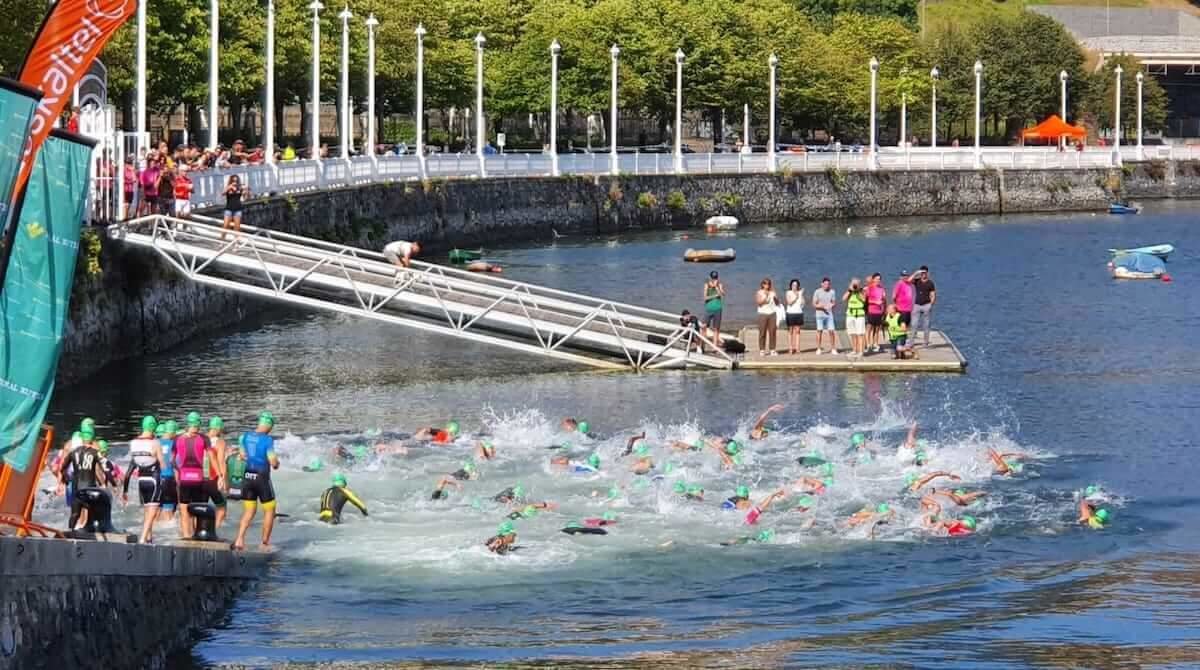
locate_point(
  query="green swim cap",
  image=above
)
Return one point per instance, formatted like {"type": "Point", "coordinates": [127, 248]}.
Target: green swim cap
{"type": "Point", "coordinates": [452, 428]}
{"type": "Point", "coordinates": [695, 490]}
{"type": "Point", "coordinates": [922, 443]}
{"type": "Point", "coordinates": [266, 419]}
{"type": "Point", "coordinates": [506, 528]}
{"type": "Point", "coordinates": [680, 488]}
{"type": "Point", "coordinates": [574, 524]}
{"type": "Point", "coordinates": [583, 427]}
{"type": "Point", "coordinates": [216, 423]}
{"type": "Point", "coordinates": [827, 469]}
{"type": "Point", "coordinates": [487, 444]}
{"type": "Point", "coordinates": [1091, 490]}
{"type": "Point", "coordinates": [102, 446]}
{"type": "Point", "coordinates": [468, 466]}
{"type": "Point", "coordinates": [883, 508]}
{"type": "Point", "coordinates": [669, 468]}
{"type": "Point", "coordinates": [149, 423]}
{"type": "Point", "coordinates": [642, 450]}
{"type": "Point", "coordinates": [87, 433]}
{"type": "Point", "coordinates": [614, 492]}
{"type": "Point", "coordinates": [594, 460]}
{"type": "Point", "coordinates": [339, 479]}
{"type": "Point", "coordinates": [171, 427]}
{"type": "Point", "coordinates": [88, 422]}
{"type": "Point", "coordinates": [1017, 467]}
{"type": "Point", "coordinates": [1102, 514]}
{"type": "Point", "coordinates": [315, 464]}
{"type": "Point", "coordinates": [828, 481]}
{"type": "Point", "coordinates": [609, 516]}
{"type": "Point", "coordinates": [969, 521]}
{"type": "Point", "coordinates": [858, 439]}
{"type": "Point", "coordinates": [160, 430]}
{"type": "Point", "coordinates": [518, 491]}
{"type": "Point", "coordinates": [193, 419]}
{"type": "Point", "coordinates": [765, 535]}
{"type": "Point", "coordinates": [732, 447]}
{"type": "Point", "coordinates": [361, 451]}
{"type": "Point", "coordinates": [805, 501]}
{"type": "Point", "coordinates": [743, 491]}
{"type": "Point", "coordinates": [910, 479]}
{"type": "Point", "coordinates": [960, 492]}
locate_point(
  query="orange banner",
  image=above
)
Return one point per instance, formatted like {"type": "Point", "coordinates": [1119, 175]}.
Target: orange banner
{"type": "Point", "coordinates": [70, 39]}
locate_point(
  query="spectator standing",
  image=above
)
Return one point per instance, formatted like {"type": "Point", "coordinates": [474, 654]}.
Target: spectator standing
{"type": "Point", "coordinates": [73, 121]}
{"type": "Point", "coordinates": [166, 185]}
{"type": "Point", "coordinates": [714, 304]}
{"type": "Point", "coordinates": [793, 301]}
{"type": "Point", "coordinates": [925, 295]}
{"type": "Point", "coordinates": [766, 299]}
{"type": "Point", "coordinates": [235, 193]}
{"type": "Point", "coordinates": [183, 192]}
{"type": "Point", "coordinates": [856, 317]}
{"type": "Point", "coordinates": [129, 180]}
{"type": "Point", "coordinates": [289, 153]}
{"type": "Point", "coordinates": [824, 300]}
{"type": "Point", "coordinates": [148, 179]}
{"type": "Point", "coordinates": [902, 297]}
{"type": "Point", "coordinates": [876, 306]}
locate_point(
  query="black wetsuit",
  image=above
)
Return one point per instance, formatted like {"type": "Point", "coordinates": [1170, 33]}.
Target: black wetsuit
{"type": "Point", "coordinates": [506, 496]}
{"type": "Point", "coordinates": [83, 461]}
{"type": "Point", "coordinates": [334, 499]}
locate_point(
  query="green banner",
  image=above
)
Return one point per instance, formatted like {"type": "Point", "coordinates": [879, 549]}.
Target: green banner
{"type": "Point", "coordinates": [37, 291]}
{"type": "Point", "coordinates": [16, 111]}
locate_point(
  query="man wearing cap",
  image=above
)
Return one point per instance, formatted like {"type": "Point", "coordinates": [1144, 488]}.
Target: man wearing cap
{"type": "Point", "coordinates": [714, 303]}
{"type": "Point", "coordinates": [902, 297]}
{"type": "Point", "coordinates": [257, 449]}
{"type": "Point", "coordinates": [925, 295]}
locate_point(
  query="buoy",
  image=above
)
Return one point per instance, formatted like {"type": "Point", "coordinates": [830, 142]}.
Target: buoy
{"type": "Point", "coordinates": [1166, 278]}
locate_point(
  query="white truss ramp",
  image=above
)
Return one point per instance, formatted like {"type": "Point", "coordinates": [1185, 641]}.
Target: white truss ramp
{"type": "Point", "coordinates": [433, 298]}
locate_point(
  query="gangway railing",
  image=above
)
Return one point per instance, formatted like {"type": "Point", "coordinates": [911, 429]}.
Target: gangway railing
{"type": "Point", "coordinates": [434, 298]}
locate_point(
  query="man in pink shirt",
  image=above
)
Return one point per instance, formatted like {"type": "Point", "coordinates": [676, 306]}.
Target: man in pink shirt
{"type": "Point", "coordinates": [902, 297]}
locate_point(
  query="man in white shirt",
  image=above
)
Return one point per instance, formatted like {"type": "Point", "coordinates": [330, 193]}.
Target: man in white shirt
{"type": "Point", "coordinates": [823, 300]}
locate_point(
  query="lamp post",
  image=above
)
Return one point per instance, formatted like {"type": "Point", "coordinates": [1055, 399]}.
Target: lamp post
{"type": "Point", "coordinates": [420, 148]}
{"type": "Point", "coordinates": [372, 22]}
{"type": "Point", "coordinates": [773, 65]}
{"type": "Point", "coordinates": [746, 148]}
{"type": "Point", "coordinates": [614, 166]}
{"type": "Point", "coordinates": [315, 120]}
{"type": "Point", "coordinates": [1117, 119]}
{"type": "Point", "coordinates": [1062, 80]}
{"type": "Point", "coordinates": [933, 74]}
{"type": "Point", "coordinates": [555, 50]}
{"type": "Point", "coordinates": [678, 111]}
{"type": "Point", "coordinates": [140, 126]}
{"type": "Point", "coordinates": [873, 163]}
{"type": "Point", "coordinates": [214, 83]}
{"type": "Point", "coordinates": [345, 16]}
{"type": "Point", "coordinates": [978, 109]}
{"type": "Point", "coordinates": [1139, 79]}
{"type": "Point", "coordinates": [269, 122]}
{"type": "Point", "coordinates": [480, 130]}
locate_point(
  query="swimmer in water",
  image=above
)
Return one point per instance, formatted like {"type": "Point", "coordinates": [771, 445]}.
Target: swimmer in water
{"type": "Point", "coordinates": [570, 425]}
{"type": "Point", "coordinates": [530, 510]}
{"type": "Point", "coordinates": [952, 527]}
{"type": "Point", "coordinates": [739, 500]}
{"type": "Point", "coordinates": [689, 492]}
{"type": "Point", "coordinates": [762, 506]}
{"type": "Point", "coordinates": [1003, 466]}
{"type": "Point", "coordinates": [918, 447]}
{"type": "Point", "coordinates": [762, 537]}
{"type": "Point", "coordinates": [439, 492]}
{"type": "Point", "coordinates": [445, 435]}
{"type": "Point", "coordinates": [1091, 517]}
{"type": "Point", "coordinates": [607, 519]}
{"type": "Point", "coordinates": [485, 450]}
{"type": "Point", "coordinates": [729, 450]}
{"type": "Point", "coordinates": [644, 463]}
{"type": "Point", "coordinates": [914, 483]}
{"type": "Point", "coordinates": [513, 495]}
{"type": "Point", "coordinates": [860, 449]}
{"type": "Point", "coordinates": [504, 541]}
{"type": "Point", "coordinates": [335, 498]}
{"type": "Point", "coordinates": [576, 528]}
{"type": "Point", "coordinates": [960, 497]}
{"type": "Point", "coordinates": [631, 443]}
{"type": "Point", "coordinates": [812, 460]}
{"type": "Point", "coordinates": [759, 432]}
{"type": "Point", "coordinates": [592, 464]}
{"type": "Point", "coordinates": [882, 513]}
{"type": "Point", "coordinates": [812, 485]}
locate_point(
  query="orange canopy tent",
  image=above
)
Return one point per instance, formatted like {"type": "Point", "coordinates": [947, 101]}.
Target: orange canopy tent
{"type": "Point", "coordinates": [1052, 129]}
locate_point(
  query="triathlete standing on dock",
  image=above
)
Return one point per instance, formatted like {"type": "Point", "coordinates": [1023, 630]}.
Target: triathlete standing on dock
{"type": "Point", "coordinates": [257, 449]}
{"type": "Point", "coordinates": [145, 463]}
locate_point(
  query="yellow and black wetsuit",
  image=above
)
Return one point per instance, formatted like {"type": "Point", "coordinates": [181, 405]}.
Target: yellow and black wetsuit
{"type": "Point", "coordinates": [334, 499]}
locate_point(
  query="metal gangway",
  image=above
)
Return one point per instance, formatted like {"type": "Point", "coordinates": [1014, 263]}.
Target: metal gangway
{"type": "Point", "coordinates": [429, 297]}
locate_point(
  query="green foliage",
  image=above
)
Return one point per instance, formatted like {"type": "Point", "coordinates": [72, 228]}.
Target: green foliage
{"type": "Point", "coordinates": [1101, 96]}
{"type": "Point", "coordinates": [836, 177]}
{"type": "Point", "coordinates": [91, 245]}
{"type": "Point", "coordinates": [729, 200]}
{"type": "Point", "coordinates": [676, 201]}
{"type": "Point", "coordinates": [647, 200]}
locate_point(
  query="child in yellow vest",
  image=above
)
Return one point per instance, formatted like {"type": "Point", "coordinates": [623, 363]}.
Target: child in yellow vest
{"type": "Point", "coordinates": [897, 332]}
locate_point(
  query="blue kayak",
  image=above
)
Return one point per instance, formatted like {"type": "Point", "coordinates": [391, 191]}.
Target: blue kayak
{"type": "Point", "coordinates": [1122, 208]}
{"type": "Point", "coordinates": [1160, 250]}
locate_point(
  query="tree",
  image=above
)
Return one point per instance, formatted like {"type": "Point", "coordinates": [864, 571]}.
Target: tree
{"type": "Point", "coordinates": [1100, 100]}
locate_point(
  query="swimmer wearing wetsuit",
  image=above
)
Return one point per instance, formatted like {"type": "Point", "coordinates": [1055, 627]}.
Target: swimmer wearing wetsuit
{"type": "Point", "coordinates": [466, 472]}
{"type": "Point", "coordinates": [759, 431]}
{"type": "Point", "coordinates": [763, 536]}
{"type": "Point", "coordinates": [571, 425]}
{"type": "Point", "coordinates": [1091, 517]}
{"type": "Point", "coordinates": [84, 462]}
{"type": "Point", "coordinates": [512, 495]}
{"type": "Point", "coordinates": [1004, 467]}
{"type": "Point", "coordinates": [445, 435]}
{"type": "Point", "coordinates": [504, 541]}
{"type": "Point", "coordinates": [335, 498]}
{"type": "Point", "coordinates": [631, 443]}
{"type": "Point", "coordinates": [145, 463]}
{"type": "Point", "coordinates": [689, 492]}
{"type": "Point", "coordinates": [576, 528]}
{"type": "Point", "coordinates": [530, 510]}
{"type": "Point", "coordinates": [739, 500]}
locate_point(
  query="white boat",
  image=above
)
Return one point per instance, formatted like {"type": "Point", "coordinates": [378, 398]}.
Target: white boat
{"type": "Point", "coordinates": [721, 222]}
{"type": "Point", "coordinates": [1137, 266]}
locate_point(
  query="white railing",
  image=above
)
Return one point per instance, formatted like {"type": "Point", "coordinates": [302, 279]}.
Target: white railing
{"type": "Point", "coordinates": [306, 175]}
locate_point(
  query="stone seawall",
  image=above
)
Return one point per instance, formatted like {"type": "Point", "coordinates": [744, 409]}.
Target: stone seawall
{"type": "Point", "coordinates": [74, 604]}
{"type": "Point", "coordinates": [139, 305]}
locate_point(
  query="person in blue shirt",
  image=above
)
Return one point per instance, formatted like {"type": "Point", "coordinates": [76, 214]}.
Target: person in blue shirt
{"type": "Point", "coordinates": [257, 450]}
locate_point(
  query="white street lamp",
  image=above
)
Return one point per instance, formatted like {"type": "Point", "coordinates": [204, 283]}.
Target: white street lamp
{"type": "Point", "coordinates": [933, 74]}
{"type": "Point", "coordinates": [345, 16]}
{"type": "Point", "coordinates": [874, 159]}
{"type": "Point", "coordinates": [1117, 119]}
{"type": "Point", "coordinates": [140, 126]}
{"type": "Point", "coordinates": [214, 83]}
{"type": "Point", "coordinates": [555, 50]}
{"type": "Point", "coordinates": [315, 115]}
{"type": "Point", "coordinates": [269, 122]}
{"type": "Point", "coordinates": [372, 22]}
{"type": "Point", "coordinates": [480, 129]}
{"type": "Point", "coordinates": [746, 148]}
{"type": "Point", "coordinates": [773, 64]}
{"type": "Point", "coordinates": [614, 167]}
{"type": "Point", "coordinates": [420, 33]}
{"type": "Point", "coordinates": [1139, 78]}
{"type": "Point", "coordinates": [679, 111]}
{"type": "Point", "coordinates": [978, 109]}
{"type": "Point", "coordinates": [1062, 79]}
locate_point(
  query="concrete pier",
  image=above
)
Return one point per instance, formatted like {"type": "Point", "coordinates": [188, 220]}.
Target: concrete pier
{"type": "Point", "coordinates": [940, 356]}
{"type": "Point", "coordinates": [83, 604]}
